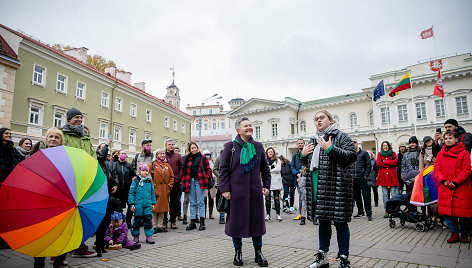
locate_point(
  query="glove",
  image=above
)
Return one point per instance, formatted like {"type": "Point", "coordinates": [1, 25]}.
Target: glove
{"type": "Point", "coordinates": [450, 185]}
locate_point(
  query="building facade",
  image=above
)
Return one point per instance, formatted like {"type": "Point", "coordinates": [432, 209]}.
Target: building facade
{"type": "Point", "coordinates": [49, 82]}
{"type": "Point", "coordinates": [8, 65]}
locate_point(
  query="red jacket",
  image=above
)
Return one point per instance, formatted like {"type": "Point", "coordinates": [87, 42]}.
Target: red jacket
{"type": "Point", "coordinates": [387, 170]}
{"type": "Point", "coordinates": [204, 173]}
{"type": "Point", "coordinates": [454, 165]}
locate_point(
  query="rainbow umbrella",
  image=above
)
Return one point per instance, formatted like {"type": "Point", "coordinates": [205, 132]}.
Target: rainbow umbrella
{"type": "Point", "coordinates": [52, 202]}
{"type": "Point", "coordinates": [425, 189]}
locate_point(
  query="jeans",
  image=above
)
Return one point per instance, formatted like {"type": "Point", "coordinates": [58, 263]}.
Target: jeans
{"type": "Point", "coordinates": [454, 222]}
{"type": "Point", "coordinates": [385, 193]}
{"type": "Point", "coordinates": [300, 204]}
{"type": "Point", "coordinates": [342, 233]}
{"type": "Point", "coordinates": [196, 198]}
{"type": "Point", "coordinates": [289, 189]}
{"type": "Point", "coordinates": [276, 202]}
{"type": "Point", "coordinates": [362, 192]}
{"type": "Point", "coordinates": [222, 215]}
{"type": "Point", "coordinates": [256, 242]}
{"type": "Point", "coordinates": [174, 202]}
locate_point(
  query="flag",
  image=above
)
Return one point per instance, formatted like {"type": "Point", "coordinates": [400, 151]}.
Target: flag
{"type": "Point", "coordinates": [438, 88]}
{"type": "Point", "coordinates": [427, 33]}
{"type": "Point", "coordinates": [402, 85]}
{"type": "Point", "coordinates": [379, 91]}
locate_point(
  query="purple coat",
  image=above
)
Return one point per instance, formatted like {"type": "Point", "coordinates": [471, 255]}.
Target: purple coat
{"type": "Point", "coordinates": [246, 217]}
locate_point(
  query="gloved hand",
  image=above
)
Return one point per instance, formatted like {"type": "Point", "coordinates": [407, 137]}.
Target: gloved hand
{"type": "Point", "coordinates": [450, 185]}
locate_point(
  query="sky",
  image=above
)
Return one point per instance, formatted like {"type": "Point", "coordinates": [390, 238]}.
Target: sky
{"type": "Point", "coordinates": [268, 49]}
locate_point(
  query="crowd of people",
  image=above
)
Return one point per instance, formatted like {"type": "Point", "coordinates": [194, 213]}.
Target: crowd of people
{"type": "Point", "coordinates": [148, 190]}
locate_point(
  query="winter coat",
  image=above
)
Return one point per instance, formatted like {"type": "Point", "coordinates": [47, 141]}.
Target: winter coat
{"type": "Point", "coordinates": [454, 165]}
{"type": "Point", "coordinates": [118, 235]}
{"type": "Point", "coordinates": [73, 140]}
{"type": "Point", "coordinates": [176, 162]}
{"type": "Point", "coordinates": [216, 169]}
{"type": "Point", "coordinates": [296, 165]}
{"type": "Point", "coordinates": [142, 197]}
{"type": "Point", "coordinates": [112, 178]}
{"type": "Point", "coordinates": [287, 176]}
{"type": "Point", "coordinates": [246, 217]}
{"type": "Point", "coordinates": [423, 162]}
{"type": "Point", "coordinates": [163, 180]}
{"type": "Point", "coordinates": [276, 176]}
{"type": "Point", "coordinates": [204, 173]}
{"type": "Point", "coordinates": [387, 170]}
{"type": "Point", "coordinates": [139, 159]}
{"type": "Point", "coordinates": [8, 163]}
{"type": "Point", "coordinates": [410, 161]}
{"type": "Point", "coordinates": [124, 171]}
{"type": "Point", "coordinates": [333, 196]}
{"type": "Point", "coordinates": [362, 165]}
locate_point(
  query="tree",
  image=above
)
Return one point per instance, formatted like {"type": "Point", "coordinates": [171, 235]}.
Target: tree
{"type": "Point", "coordinates": [96, 61]}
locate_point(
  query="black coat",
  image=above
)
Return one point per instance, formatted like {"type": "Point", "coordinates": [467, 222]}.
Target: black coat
{"type": "Point", "coordinates": [112, 178]}
{"type": "Point", "coordinates": [287, 176]}
{"type": "Point", "coordinates": [335, 178]}
{"type": "Point", "coordinates": [362, 166]}
{"type": "Point", "coordinates": [8, 163]}
{"type": "Point", "coordinates": [125, 174]}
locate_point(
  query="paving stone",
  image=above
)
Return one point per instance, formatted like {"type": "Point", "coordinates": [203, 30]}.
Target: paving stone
{"type": "Point", "coordinates": [426, 259]}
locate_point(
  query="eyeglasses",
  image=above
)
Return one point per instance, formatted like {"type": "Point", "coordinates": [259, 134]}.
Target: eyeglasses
{"type": "Point", "coordinates": [321, 117]}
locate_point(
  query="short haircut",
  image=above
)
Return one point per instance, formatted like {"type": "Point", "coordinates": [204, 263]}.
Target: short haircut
{"type": "Point", "coordinates": [55, 130]}
{"type": "Point", "coordinates": [452, 133]}
{"type": "Point", "coordinates": [328, 114]}
{"type": "Point", "coordinates": [300, 139]}
{"type": "Point", "coordinates": [159, 150]}
{"type": "Point", "coordinates": [168, 140]}
{"type": "Point", "coordinates": [237, 124]}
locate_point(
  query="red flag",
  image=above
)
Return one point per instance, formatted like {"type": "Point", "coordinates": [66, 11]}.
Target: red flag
{"type": "Point", "coordinates": [427, 33]}
{"type": "Point", "coordinates": [438, 88]}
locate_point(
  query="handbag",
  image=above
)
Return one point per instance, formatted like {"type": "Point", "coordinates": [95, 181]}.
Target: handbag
{"type": "Point", "coordinates": [223, 204]}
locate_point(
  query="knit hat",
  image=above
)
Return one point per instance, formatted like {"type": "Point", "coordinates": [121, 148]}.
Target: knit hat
{"type": "Point", "coordinates": [452, 122]}
{"type": "Point", "coordinates": [143, 167]}
{"type": "Point", "coordinates": [427, 138]}
{"type": "Point", "coordinates": [402, 144]}
{"type": "Point", "coordinates": [73, 112]}
{"type": "Point", "coordinates": [413, 139]}
{"type": "Point", "coordinates": [116, 216]}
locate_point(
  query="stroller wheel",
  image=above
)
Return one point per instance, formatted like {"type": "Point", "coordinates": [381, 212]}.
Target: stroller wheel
{"type": "Point", "coordinates": [420, 227]}
{"type": "Point", "coordinates": [391, 223]}
{"type": "Point", "coordinates": [402, 221]}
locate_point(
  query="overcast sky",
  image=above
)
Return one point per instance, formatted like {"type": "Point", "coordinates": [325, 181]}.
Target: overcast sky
{"type": "Point", "coordinates": [250, 48]}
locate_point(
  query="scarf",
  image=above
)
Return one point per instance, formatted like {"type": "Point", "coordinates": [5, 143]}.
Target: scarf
{"type": "Point", "coordinates": [142, 180]}
{"type": "Point", "coordinates": [22, 152]}
{"type": "Point", "coordinates": [248, 157]}
{"type": "Point", "coordinates": [386, 153]}
{"type": "Point", "coordinates": [315, 159]}
{"type": "Point", "coordinates": [79, 130]}
{"type": "Point", "coordinates": [429, 153]}
{"type": "Point", "coordinates": [196, 159]}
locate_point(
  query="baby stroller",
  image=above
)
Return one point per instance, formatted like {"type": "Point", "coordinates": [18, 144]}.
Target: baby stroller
{"type": "Point", "coordinates": [399, 207]}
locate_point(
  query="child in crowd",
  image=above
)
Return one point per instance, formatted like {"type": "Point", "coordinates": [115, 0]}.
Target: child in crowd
{"type": "Point", "coordinates": [117, 233]}
{"type": "Point", "coordinates": [141, 201]}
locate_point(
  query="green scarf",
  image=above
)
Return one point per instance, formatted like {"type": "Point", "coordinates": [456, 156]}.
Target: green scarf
{"type": "Point", "coordinates": [386, 153]}
{"type": "Point", "coordinates": [248, 157]}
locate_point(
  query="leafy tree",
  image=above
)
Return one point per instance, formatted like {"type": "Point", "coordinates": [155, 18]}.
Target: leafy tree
{"type": "Point", "coordinates": [96, 61]}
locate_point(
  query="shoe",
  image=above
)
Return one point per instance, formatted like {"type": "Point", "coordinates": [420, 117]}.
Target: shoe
{"type": "Point", "coordinates": [267, 218]}
{"type": "Point", "coordinates": [99, 254]}
{"type": "Point", "coordinates": [285, 210]}
{"type": "Point", "coordinates": [184, 220]}
{"type": "Point", "coordinates": [135, 247]}
{"type": "Point", "coordinates": [180, 218]}
{"type": "Point", "coordinates": [259, 258]}
{"type": "Point", "coordinates": [64, 261]}
{"type": "Point", "coordinates": [202, 224]}
{"type": "Point", "coordinates": [211, 216]}
{"type": "Point", "coordinates": [222, 220]}
{"type": "Point", "coordinates": [149, 240]}
{"type": "Point", "coordinates": [136, 239]}
{"type": "Point", "coordinates": [386, 215]}
{"type": "Point", "coordinates": [191, 226]}
{"type": "Point", "coordinates": [292, 209]}
{"type": "Point", "coordinates": [359, 215]}
{"type": "Point", "coordinates": [321, 260]}
{"type": "Point", "coordinates": [197, 220]}
{"type": "Point", "coordinates": [238, 257]}
{"type": "Point", "coordinates": [160, 230]}
{"type": "Point", "coordinates": [376, 204]}
{"type": "Point", "coordinates": [343, 262]}
{"type": "Point", "coordinates": [315, 222]}
{"type": "Point", "coordinates": [173, 225]}
{"type": "Point", "coordinates": [302, 221]}
{"type": "Point", "coordinates": [279, 218]}
{"type": "Point", "coordinates": [297, 217]}
{"type": "Point", "coordinates": [464, 238]}
{"type": "Point", "coordinates": [369, 218]}
{"type": "Point", "coordinates": [83, 253]}
{"type": "Point", "coordinates": [454, 238]}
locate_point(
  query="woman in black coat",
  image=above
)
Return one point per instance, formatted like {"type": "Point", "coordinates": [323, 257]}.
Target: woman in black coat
{"type": "Point", "coordinates": [9, 156]}
{"type": "Point", "coordinates": [329, 157]}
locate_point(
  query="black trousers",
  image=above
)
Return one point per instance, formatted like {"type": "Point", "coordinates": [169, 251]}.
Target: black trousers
{"type": "Point", "coordinates": [276, 202]}
{"type": "Point", "coordinates": [362, 192]}
{"type": "Point", "coordinates": [174, 202]}
{"type": "Point", "coordinates": [376, 194]}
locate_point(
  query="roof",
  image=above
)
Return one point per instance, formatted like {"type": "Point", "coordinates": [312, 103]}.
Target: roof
{"type": "Point", "coordinates": [123, 83]}
{"type": "Point", "coordinates": [335, 98]}
{"type": "Point", "coordinates": [7, 52]}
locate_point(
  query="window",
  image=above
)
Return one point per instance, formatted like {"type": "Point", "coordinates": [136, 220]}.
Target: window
{"type": "Point", "coordinates": [302, 126]}
{"type": "Point", "coordinates": [148, 115]}
{"type": "Point", "coordinates": [104, 102]}
{"type": "Point", "coordinates": [385, 115]}
{"type": "Point", "coordinates": [34, 115]}
{"type": "Point", "coordinates": [211, 111]}
{"type": "Point", "coordinates": [80, 92]}
{"type": "Point", "coordinates": [353, 120]}
{"type": "Point", "coordinates": [461, 104]}
{"type": "Point", "coordinates": [58, 120]}
{"type": "Point", "coordinates": [166, 122]}
{"type": "Point", "coordinates": [194, 112]}
{"type": "Point", "coordinates": [133, 109]}
{"type": "Point", "coordinates": [371, 118]}
{"type": "Point", "coordinates": [132, 137]}
{"type": "Point", "coordinates": [183, 128]}
{"type": "Point", "coordinates": [39, 75]}
{"type": "Point", "coordinates": [148, 135]}
{"type": "Point", "coordinates": [176, 125]}
{"type": "Point", "coordinates": [258, 132]}
{"type": "Point", "coordinates": [274, 130]}
{"type": "Point", "coordinates": [103, 130]}
{"type": "Point", "coordinates": [222, 125]}
{"type": "Point", "coordinates": [170, 102]}
{"type": "Point", "coordinates": [61, 83]}
{"type": "Point", "coordinates": [292, 128]}
{"type": "Point", "coordinates": [213, 125]}
{"type": "Point", "coordinates": [118, 104]}
{"type": "Point", "coordinates": [336, 120]}
{"type": "Point", "coordinates": [117, 134]}
{"type": "Point", "coordinates": [402, 113]}
{"type": "Point", "coordinates": [420, 110]}
{"type": "Point", "coordinates": [205, 126]}
{"type": "Point", "coordinates": [439, 105]}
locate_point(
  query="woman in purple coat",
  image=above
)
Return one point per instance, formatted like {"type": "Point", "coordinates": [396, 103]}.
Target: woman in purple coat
{"type": "Point", "coordinates": [241, 183]}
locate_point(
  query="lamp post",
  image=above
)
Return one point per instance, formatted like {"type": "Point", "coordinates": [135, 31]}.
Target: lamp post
{"type": "Point", "coordinates": [213, 97]}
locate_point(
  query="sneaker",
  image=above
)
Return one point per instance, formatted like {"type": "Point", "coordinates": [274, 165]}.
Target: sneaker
{"type": "Point", "coordinates": [136, 239]}
{"type": "Point", "coordinates": [369, 218]}
{"type": "Point", "coordinates": [222, 220]}
{"type": "Point", "coordinates": [267, 218]}
{"type": "Point", "coordinates": [279, 218]}
{"type": "Point", "coordinates": [292, 209]}
{"type": "Point", "coordinates": [343, 262]}
{"type": "Point", "coordinates": [135, 247]}
{"type": "Point", "coordinates": [321, 260]}
{"type": "Point", "coordinates": [464, 238]}
{"type": "Point", "coordinates": [359, 215]}
{"type": "Point", "coordinates": [298, 217]}
{"type": "Point", "coordinates": [83, 253]}
{"type": "Point", "coordinates": [149, 240]}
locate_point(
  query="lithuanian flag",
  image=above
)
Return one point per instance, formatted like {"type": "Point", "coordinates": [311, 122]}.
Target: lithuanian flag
{"type": "Point", "coordinates": [402, 85]}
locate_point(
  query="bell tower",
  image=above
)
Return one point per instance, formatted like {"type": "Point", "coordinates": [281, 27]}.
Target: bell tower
{"type": "Point", "coordinates": [172, 96]}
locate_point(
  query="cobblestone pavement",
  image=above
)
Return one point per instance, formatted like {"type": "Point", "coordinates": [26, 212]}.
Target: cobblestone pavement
{"type": "Point", "coordinates": [286, 244]}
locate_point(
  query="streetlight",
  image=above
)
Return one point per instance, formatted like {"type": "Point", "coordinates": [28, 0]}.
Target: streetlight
{"type": "Point", "coordinates": [213, 97]}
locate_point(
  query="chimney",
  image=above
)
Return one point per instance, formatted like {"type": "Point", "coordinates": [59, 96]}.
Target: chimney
{"type": "Point", "coordinates": [110, 71]}
{"type": "Point", "coordinates": [78, 53]}
{"type": "Point", "coordinates": [141, 85]}
{"type": "Point", "coordinates": [124, 76]}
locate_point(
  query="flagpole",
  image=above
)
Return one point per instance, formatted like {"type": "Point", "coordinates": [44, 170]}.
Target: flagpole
{"type": "Point", "coordinates": [434, 42]}
{"type": "Point", "coordinates": [388, 126]}
{"type": "Point", "coordinates": [412, 100]}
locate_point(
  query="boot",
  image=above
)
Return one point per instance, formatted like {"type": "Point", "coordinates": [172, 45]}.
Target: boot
{"type": "Point", "coordinates": [184, 221]}
{"type": "Point", "coordinates": [202, 224]}
{"type": "Point", "coordinates": [192, 225]}
{"type": "Point", "coordinates": [321, 260]}
{"type": "Point", "coordinates": [343, 262]}
{"type": "Point", "coordinates": [302, 221]}
{"type": "Point", "coordinates": [238, 257]}
{"type": "Point", "coordinates": [136, 239]}
{"type": "Point", "coordinates": [464, 238]}
{"type": "Point", "coordinates": [259, 258]}
{"type": "Point", "coordinates": [149, 240]}
{"type": "Point", "coordinates": [454, 238]}
{"type": "Point", "coordinates": [315, 221]}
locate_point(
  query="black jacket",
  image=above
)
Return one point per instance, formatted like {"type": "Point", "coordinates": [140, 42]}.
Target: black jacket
{"type": "Point", "coordinates": [8, 163]}
{"type": "Point", "coordinates": [125, 174]}
{"type": "Point", "coordinates": [335, 178]}
{"type": "Point", "coordinates": [112, 178]}
{"type": "Point", "coordinates": [286, 172]}
{"type": "Point", "coordinates": [362, 166]}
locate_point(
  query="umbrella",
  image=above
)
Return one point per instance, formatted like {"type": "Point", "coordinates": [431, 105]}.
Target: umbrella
{"type": "Point", "coordinates": [52, 202]}
{"type": "Point", "coordinates": [425, 189]}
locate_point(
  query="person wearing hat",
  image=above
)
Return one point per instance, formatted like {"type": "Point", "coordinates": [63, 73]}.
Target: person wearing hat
{"type": "Point", "coordinates": [145, 156]}
{"type": "Point", "coordinates": [464, 137]}
{"type": "Point", "coordinates": [427, 157]}
{"type": "Point", "coordinates": [401, 152]}
{"type": "Point", "coordinates": [411, 159]}
{"type": "Point", "coordinates": [75, 134]}
{"type": "Point", "coordinates": [117, 233]}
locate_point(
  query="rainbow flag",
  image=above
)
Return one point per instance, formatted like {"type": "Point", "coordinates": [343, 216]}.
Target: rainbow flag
{"type": "Point", "coordinates": [425, 189]}
{"type": "Point", "coordinates": [402, 85]}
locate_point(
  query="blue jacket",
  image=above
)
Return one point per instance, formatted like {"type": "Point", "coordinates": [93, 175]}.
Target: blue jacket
{"type": "Point", "coordinates": [296, 165]}
{"type": "Point", "coordinates": [142, 196]}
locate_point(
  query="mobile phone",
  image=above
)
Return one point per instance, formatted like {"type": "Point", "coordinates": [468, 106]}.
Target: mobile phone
{"type": "Point", "coordinates": [438, 130]}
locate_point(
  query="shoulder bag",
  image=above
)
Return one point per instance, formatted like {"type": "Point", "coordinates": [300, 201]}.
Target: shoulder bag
{"type": "Point", "coordinates": [223, 204]}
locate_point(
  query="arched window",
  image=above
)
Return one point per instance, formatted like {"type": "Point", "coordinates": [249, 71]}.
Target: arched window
{"type": "Point", "coordinates": [371, 118]}
{"type": "Point", "coordinates": [302, 126]}
{"type": "Point", "coordinates": [336, 120]}
{"type": "Point", "coordinates": [353, 120]}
